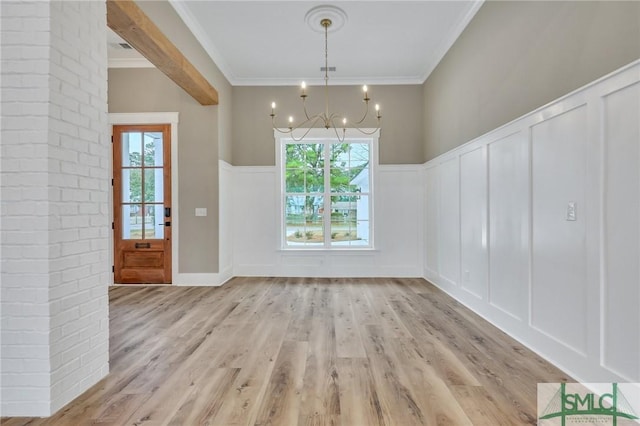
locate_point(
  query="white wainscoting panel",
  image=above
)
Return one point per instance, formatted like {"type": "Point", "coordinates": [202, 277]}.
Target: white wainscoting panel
{"type": "Point", "coordinates": [255, 238]}
{"type": "Point", "coordinates": [225, 246]}
{"type": "Point", "coordinates": [432, 196]}
{"type": "Point", "coordinates": [621, 304]}
{"type": "Point", "coordinates": [509, 223]}
{"type": "Point", "coordinates": [549, 205]}
{"type": "Point", "coordinates": [559, 257]}
{"type": "Point", "coordinates": [473, 223]}
{"type": "Point", "coordinates": [449, 221]}
{"type": "Point", "coordinates": [398, 229]}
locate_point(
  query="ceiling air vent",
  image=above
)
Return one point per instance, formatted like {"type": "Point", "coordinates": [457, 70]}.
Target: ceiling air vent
{"type": "Point", "coordinates": [125, 45]}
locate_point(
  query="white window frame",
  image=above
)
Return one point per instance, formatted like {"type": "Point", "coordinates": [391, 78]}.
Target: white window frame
{"type": "Point", "coordinates": [321, 135]}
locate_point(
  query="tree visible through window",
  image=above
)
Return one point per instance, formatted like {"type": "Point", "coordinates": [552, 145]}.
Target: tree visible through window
{"type": "Point", "coordinates": [327, 198]}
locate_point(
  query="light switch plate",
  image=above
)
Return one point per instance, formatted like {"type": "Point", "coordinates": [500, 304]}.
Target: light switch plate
{"type": "Point", "coordinates": [201, 211]}
{"type": "Point", "coordinates": [572, 211]}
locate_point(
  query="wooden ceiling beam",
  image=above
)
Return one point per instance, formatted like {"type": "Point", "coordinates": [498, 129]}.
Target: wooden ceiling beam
{"type": "Point", "coordinates": [134, 26]}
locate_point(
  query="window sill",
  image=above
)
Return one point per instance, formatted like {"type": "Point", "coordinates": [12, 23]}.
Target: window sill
{"type": "Point", "coordinates": [328, 251]}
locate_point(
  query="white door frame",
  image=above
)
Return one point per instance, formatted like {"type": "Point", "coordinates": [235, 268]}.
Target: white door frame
{"type": "Point", "coordinates": [153, 118]}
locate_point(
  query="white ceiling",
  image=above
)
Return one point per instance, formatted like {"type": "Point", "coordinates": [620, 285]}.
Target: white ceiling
{"type": "Point", "coordinates": [121, 57]}
{"type": "Point", "coordinates": [382, 42]}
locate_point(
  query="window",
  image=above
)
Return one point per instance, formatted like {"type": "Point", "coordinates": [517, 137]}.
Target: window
{"type": "Point", "coordinates": [327, 192]}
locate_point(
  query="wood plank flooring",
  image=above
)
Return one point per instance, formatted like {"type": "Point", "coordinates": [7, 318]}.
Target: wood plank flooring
{"type": "Point", "coordinates": [308, 352]}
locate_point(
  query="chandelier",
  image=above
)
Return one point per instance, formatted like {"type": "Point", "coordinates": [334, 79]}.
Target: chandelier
{"type": "Point", "coordinates": [326, 118]}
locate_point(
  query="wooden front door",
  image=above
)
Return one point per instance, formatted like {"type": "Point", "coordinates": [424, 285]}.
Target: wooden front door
{"type": "Point", "coordinates": [142, 204]}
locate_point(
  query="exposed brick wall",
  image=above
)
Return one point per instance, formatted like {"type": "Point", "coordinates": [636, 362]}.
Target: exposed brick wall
{"type": "Point", "coordinates": [54, 218]}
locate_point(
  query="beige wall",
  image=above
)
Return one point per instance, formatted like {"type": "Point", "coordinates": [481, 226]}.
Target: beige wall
{"type": "Point", "coordinates": [149, 90]}
{"type": "Point", "coordinates": [517, 56]}
{"type": "Point", "coordinates": [165, 17]}
{"type": "Point", "coordinates": [400, 136]}
{"type": "Point", "coordinates": [204, 135]}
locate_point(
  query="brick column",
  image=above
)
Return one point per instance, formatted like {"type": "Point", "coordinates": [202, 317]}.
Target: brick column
{"type": "Point", "coordinates": [54, 206]}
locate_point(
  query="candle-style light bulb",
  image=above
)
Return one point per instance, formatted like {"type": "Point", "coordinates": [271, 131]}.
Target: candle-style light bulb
{"type": "Point", "coordinates": [344, 121]}
{"type": "Point", "coordinates": [290, 119]}
{"type": "Point", "coordinates": [377, 111]}
{"type": "Point", "coordinates": [304, 87]}
{"type": "Point", "coordinates": [366, 95]}
{"type": "Point", "coordinates": [377, 107]}
{"type": "Point", "coordinates": [273, 105]}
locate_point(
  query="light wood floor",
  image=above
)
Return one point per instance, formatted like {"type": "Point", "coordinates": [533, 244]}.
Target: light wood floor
{"type": "Point", "coordinates": [302, 351]}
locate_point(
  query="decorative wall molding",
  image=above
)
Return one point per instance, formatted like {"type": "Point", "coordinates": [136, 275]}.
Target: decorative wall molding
{"type": "Point", "coordinates": [398, 228]}
{"type": "Point", "coordinates": [565, 285]}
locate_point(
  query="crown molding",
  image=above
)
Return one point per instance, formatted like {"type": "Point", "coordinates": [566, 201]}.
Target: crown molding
{"type": "Point", "coordinates": [129, 63]}
{"type": "Point", "coordinates": [198, 32]}
{"type": "Point", "coordinates": [446, 43]}
{"type": "Point", "coordinates": [351, 81]}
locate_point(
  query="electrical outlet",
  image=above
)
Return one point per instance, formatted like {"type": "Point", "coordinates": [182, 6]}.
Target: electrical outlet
{"type": "Point", "coordinates": [201, 211]}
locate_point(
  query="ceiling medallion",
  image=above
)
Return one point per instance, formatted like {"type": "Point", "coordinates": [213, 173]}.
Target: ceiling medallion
{"type": "Point", "coordinates": [314, 17]}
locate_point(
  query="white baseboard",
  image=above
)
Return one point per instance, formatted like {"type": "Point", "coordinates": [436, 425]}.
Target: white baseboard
{"type": "Point", "coordinates": [206, 280]}
{"type": "Point", "coordinates": [225, 275]}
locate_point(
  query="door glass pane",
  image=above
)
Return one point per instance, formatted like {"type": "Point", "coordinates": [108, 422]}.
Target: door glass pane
{"type": "Point", "coordinates": [131, 185]}
{"type": "Point", "coordinates": [131, 149]}
{"type": "Point", "coordinates": [153, 185]}
{"type": "Point", "coordinates": [153, 221]}
{"type": "Point", "coordinates": [153, 149]}
{"type": "Point", "coordinates": [131, 221]}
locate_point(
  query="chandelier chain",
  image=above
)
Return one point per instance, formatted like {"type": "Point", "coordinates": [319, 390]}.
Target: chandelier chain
{"type": "Point", "coordinates": [326, 23]}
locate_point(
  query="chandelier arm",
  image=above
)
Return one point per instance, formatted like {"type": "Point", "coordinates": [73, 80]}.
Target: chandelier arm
{"type": "Point", "coordinates": [333, 116]}
{"type": "Point", "coordinates": [366, 113]}
{"type": "Point", "coordinates": [304, 107]}
{"type": "Point", "coordinates": [344, 134]}
{"type": "Point", "coordinates": [306, 131]}
{"type": "Point", "coordinates": [296, 127]}
{"type": "Point", "coordinates": [275, 127]}
{"type": "Point", "coordinates": [364, 132]}
{"type": "Point", "coordinates": [335, 129]}
{"type": "Point", "coordinates": [313, 118]}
